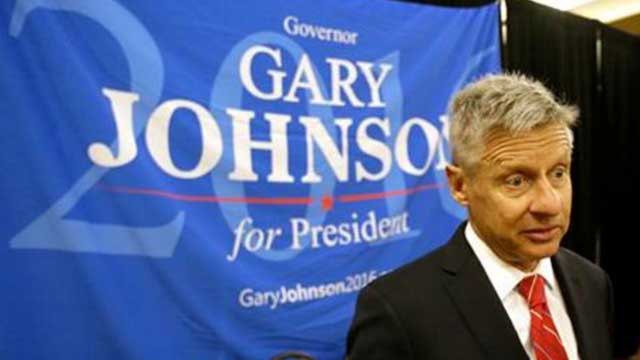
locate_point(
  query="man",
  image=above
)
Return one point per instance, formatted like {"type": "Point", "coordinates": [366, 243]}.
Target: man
{"type": "Point", "coordinates": [502, 288]}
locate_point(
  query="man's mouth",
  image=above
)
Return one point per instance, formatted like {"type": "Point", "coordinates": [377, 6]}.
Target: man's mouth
{"type": "Point", "coordinates": [542, 234]}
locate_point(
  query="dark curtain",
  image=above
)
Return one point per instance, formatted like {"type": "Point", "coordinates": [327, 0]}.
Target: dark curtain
{"type": "Point", "coordinates": [560, 50]}
{"type": "Point", "coordinates": [619, 180]}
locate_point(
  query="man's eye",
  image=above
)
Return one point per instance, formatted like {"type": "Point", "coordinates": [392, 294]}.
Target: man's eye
{"type": "Point", "coordinates": [516, 181]}
{"type": "Point", "coordinates": [559, 173]}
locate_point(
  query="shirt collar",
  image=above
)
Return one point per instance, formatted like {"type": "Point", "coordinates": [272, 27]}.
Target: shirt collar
{"type": "Point", "coordinates": [505, 277]}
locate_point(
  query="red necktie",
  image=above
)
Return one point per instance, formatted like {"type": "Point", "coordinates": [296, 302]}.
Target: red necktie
{"type": "Point", "coordinates": [544, 336]}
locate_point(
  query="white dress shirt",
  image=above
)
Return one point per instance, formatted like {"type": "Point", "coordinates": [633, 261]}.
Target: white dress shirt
{"type": "Point", "coordinates": [505, 279]}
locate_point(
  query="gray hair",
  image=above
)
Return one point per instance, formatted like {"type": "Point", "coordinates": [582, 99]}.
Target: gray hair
{"type": "Point", "coordinates": [510, 102]}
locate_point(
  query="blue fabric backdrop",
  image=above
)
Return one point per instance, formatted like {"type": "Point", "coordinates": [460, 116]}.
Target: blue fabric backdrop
{"type": "Point", "coordinates": [217, 180]}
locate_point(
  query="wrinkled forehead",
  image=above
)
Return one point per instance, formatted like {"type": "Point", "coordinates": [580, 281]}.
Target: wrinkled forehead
{"type": "Point", "coordinates": [549, 142]}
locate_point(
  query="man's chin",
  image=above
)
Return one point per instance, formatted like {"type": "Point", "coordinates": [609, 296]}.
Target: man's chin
{"type": "Point", "coordinates": [540, 251]}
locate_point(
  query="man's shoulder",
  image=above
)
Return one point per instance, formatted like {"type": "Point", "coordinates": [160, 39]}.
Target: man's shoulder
{"type": "Point", "coordinates": [425, 274]}
{"type": "Point", "coordinates": [580, 266]}
{"type": "Point", "coordinates": [420, 273]}
{"type": "Point", "coordinates": [576, 260]}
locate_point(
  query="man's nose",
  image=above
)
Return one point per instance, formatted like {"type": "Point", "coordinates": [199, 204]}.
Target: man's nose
{"type": "Point", "coordinates": [547, 199]}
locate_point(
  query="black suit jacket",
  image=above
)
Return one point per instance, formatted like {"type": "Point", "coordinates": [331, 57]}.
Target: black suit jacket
{"type": "Point", "coordinates": [443, 306]}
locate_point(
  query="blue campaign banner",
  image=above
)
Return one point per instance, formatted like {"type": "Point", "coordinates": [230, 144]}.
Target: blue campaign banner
{"type": "Point", "coordinates": [218, 179]}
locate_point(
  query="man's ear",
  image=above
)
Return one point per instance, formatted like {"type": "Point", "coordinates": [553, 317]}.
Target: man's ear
{"type": "Point", "coordinates": [458, 184]}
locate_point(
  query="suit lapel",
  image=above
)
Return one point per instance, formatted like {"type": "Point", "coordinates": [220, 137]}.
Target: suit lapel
{"type": "Point", "coordinates": [479, 305]}
{"type": "Point", "coordinates": [574, 295]}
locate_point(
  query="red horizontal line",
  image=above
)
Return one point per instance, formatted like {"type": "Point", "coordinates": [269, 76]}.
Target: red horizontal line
{"type": "Point", "coordinates": [211, 199]}
{"type": "Point", "coordinates": [385, 194]}
{"type": "Point", "coordinates": [263, 200]}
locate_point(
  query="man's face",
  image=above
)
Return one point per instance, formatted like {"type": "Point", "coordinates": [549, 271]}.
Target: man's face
{"type": "Point", "coordinates": [519, 195]}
